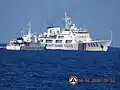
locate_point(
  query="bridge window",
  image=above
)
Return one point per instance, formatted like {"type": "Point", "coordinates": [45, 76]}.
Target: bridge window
{"type": "Point", "coordinates": [48, 41]}
{"type": "Point", "coordinates": [68, 41]}
{"type": "Point", "coordinates": [58, 41]}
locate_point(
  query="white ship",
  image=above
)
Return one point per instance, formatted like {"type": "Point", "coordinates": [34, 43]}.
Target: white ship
{"type": "Point", "coordinates": [72, 38]}
{"type": "Point", "coordinates": [26, 42]}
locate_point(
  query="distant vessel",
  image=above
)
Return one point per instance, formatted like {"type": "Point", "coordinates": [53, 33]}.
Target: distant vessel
{"type": "Point", "coordinates": [68, 38]}
{"type": "Point", "coordinates": [2, 45]}
{"type": "Point", "coordinates": [72, 38]}
{"type": "Point", "coordinates": [26, 42]}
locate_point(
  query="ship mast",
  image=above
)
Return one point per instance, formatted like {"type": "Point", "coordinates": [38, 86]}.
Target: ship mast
{"type": "Point", "coordinates": [29, 28]}
{"type": "Point", "coordinates": [22, 32]}
{"type": "Point", "coordinates": [68, 21]}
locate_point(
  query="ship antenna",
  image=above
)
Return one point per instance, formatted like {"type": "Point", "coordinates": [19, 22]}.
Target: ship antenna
{"type": "Point", "coordinates": [29, 28]}
{"type": "Point", "coordinates": [84, 26]}
{"type": "Point", "coordinates": [111, 37]}
{"type": "Point", "coordinates": [22, 32]}
{"type": "Point", "coordinates": [68, 21]}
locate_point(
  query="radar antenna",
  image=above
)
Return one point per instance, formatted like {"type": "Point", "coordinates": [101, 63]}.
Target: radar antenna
{"type": "Point", "coordinates": [68, 21]}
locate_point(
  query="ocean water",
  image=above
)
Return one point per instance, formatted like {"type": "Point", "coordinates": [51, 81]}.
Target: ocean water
{"type": "Point", "coordinates": [51, 69]}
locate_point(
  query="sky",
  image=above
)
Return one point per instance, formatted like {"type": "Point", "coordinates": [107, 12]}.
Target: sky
{"type": "Point", "coordinates": [98, 16]}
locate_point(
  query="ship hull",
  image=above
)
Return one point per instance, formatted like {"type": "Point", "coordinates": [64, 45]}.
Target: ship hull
{"type": "Point", "coordinates": [99, 45]}
{"type": "Point", "coordinates": [23, 48]}
{"type": "Point", "coordinates": [30, 47]}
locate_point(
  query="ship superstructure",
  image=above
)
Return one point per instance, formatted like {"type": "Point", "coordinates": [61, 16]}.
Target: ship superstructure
{"type": "Point", "coordinates": [26, 42]}
{"type": "Point", "coordinates": [71, 38]}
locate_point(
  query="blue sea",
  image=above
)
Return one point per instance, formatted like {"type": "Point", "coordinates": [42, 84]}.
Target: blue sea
{"type": "Point", "coordinates": [51, 69]}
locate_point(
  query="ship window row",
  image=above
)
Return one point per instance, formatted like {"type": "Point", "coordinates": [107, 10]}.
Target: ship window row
{"type": "Point", "coordinates": [61, 37]}
{"type": "Point", "coordinates": [81, 32]}
{"type": "Point", "coordinates": [92, 44]}
{"type": "Point", "coordinates": [82, 36]}
{"type": "Point", "coordinates": [57, 41]}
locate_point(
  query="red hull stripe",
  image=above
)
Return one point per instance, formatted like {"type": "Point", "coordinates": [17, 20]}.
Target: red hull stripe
{"type": "Point", "coordinates": [83, 46]}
